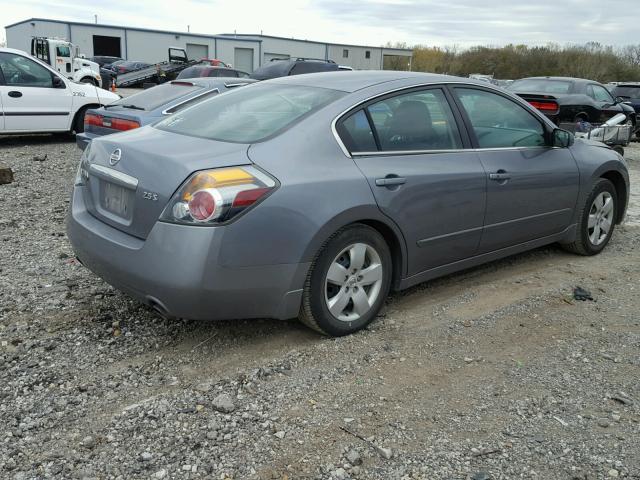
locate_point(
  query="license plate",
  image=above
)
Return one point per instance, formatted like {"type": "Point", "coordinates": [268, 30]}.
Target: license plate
{"type": "Point", "coordinates": [116, 199]}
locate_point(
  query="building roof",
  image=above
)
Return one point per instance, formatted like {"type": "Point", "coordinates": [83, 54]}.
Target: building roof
{"type": "Point", "coordinates": [256, 35]}
{"type": "Point", "coordinates": [122, 27]}
{"type": "Point", "coordinates": [242, 37]}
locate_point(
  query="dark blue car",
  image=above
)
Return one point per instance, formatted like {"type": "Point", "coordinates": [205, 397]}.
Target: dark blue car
{"type": "Point", "coordinates": [151, 105]}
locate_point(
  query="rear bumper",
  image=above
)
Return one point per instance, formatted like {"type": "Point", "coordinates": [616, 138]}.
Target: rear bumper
{"type": "Point", "coordinates": [83, 139]}
{"type": "Point", "coordinates": [177, 269]}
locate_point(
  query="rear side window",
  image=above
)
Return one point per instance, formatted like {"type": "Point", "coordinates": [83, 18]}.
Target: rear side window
{"type": "Point", "coordinates": [499, 122]}
{"type": "Point", "coordinates": [356, 133]}
{"type": "Point", "coordinates": [249, 115]}
{"type": "Point", "coordinates": [155, 97]}
{"type": "Point", "coordinates": [415, 121]}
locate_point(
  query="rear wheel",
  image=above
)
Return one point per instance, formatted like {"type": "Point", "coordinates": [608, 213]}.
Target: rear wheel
{"type": "Point", "coordinates": [89, 80]}
{"type": "Point", "coordinates": [348, 281]}
{"type": "Point", "coordinates": [597, 220]}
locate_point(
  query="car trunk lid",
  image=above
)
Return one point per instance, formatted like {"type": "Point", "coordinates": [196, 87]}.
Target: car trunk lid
{"type": "Point", "coordinates": [133, 175]}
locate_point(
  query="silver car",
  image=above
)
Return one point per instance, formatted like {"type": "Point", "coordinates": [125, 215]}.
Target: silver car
{"type": "Point", "coordinates": [315, 195]}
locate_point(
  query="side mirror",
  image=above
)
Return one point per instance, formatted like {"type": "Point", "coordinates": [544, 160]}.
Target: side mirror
{"type": "Point", "coordinates": [562, 138]}
{"type": "Point", "coordinates": [58, 82]}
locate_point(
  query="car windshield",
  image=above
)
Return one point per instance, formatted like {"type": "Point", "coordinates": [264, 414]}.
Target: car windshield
{"type": "Point", "coordinates": [155, 97]}
{"type": "Point", "coordinates": [540, 85]}
{"type": "Point", "coordinates": [250, 114]}
{"type": "Point", "coordinates": [628, 91]}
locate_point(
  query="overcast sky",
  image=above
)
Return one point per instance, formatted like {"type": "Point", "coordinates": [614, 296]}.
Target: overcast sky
{"type": "Point", "coordinates": [371, 22]}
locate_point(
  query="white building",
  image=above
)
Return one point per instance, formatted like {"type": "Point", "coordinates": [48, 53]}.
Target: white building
{"type": "Point", "coordinates": [244, 52]}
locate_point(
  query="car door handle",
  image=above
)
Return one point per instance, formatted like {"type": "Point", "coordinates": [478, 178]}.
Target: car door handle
{"type": "Point", "coordinates": [390, 181]}
{"type": "Point", "coordinates": [14, 94]}
{"type": "Point", "coordinates": [500, 176]}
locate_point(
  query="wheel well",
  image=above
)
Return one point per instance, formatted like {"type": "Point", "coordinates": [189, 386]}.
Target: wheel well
{"type": "Point", "coordinates": [621, 190]}
{"type": "Point", "coordinates": [394, 246]}
{"type": "Point", "coordinates": [91, 79]}
{"type": "Point", "coordinates": [583, 116]}
{"type": "Point", "coordinates": [82, 110]}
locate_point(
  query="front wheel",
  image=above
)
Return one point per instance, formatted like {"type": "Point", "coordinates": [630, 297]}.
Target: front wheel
{"type": "Point", "coordinates": [89, 80]}
{"type": "Point", "coordinates": [597, 220]}
{"type": "Point", "coordinates": [348, 282]}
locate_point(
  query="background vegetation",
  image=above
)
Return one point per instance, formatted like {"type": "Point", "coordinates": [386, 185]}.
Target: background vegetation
{"type": "Point", "coordinates": [593, 61]}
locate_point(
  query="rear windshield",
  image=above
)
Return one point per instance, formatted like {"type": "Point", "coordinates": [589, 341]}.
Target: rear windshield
{"type": "Point", "coordinates": [628, 91]}
{"type": "Point", "coordinates": [191, 72]}
{"type": "Point", "coordinates": [155, 97]}
{"type": "Point", "coordinates": [540, 85]}
{"type": "Point", "coordinates": [250, 114]}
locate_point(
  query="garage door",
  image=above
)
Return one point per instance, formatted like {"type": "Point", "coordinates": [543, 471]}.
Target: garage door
{"type": "Point", "coordinates": [196, 51]}
{"type": "Point", "coordinates": [272, 56]}
{"type": "Point", "coordinates": [243, 59]}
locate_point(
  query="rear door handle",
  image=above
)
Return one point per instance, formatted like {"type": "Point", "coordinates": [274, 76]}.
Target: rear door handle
{"type": "Point", "coordinates": [15, 94]}
{"type": "Point", "coordinates": [390, 181]}
{"type": "Point", "coordinates": [500, 176]}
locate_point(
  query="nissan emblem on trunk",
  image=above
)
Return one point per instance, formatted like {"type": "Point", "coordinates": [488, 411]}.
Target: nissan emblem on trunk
{"type": "Point", "coordinates": [115, 157]}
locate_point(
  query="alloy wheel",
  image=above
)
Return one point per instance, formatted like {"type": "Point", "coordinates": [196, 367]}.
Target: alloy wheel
{"type": "Point", "coordinates": [600, 218]}
{"type": "Point", "coordinates": [353, 282]}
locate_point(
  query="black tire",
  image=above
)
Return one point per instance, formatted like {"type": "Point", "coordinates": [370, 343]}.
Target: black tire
{"type": "Point", "coordinates": [89, 80]}
{"type": "Point", "coordinates": [583, 244]}
{"type": "Point", "coordinates": [314, 311]}
{"type": "Point", "coordinates": [78, 122]}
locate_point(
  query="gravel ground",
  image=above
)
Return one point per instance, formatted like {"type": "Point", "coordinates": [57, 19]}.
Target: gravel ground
{"type": "Point", "coordinates": [493, 373]}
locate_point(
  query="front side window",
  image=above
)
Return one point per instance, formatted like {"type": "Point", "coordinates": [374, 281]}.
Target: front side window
{"type": "Point", "coordinates": [21, 71]}
{"type": "Point", "coordinates": [415, 121]}
{"type": "Point", "coordinates": [599, 94]}
{"type": "Point", "coordinates": [250, 114]}
{"type": "Point", "coordinates": [499, 122]}
{"type": "Point", "coordinates": [63, 51]}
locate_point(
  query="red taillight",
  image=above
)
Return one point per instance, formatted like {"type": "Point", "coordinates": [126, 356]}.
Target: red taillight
{"type": "Point", "coordinates": [249, 197]}
{"type": "Point", "coordinates": [202, 206]}
{"type": "Point", "coordinates": [545, 106]}
{"type": "Point", "coordinates": [213, 197]}
{"type": "Point", "coordinates": [121, 69]}
{"type": "Point", "coordinates": [92, 119]}
{"type": "Point", "coordinates": [121, 124]}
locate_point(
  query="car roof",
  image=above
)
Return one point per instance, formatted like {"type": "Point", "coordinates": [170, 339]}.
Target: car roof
{"type": "Point", "coordinates": [564, 79]}
{"type": "Point", "coordinates": [357, 80]}
{"type": "Point", "coordinates": [13, 50]}
{"type": "Point", "coordinates": [213, 82]}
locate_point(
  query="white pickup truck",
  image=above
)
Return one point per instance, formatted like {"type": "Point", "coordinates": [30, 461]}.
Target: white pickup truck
{"type": "Point", "coordinates": [36, 98]}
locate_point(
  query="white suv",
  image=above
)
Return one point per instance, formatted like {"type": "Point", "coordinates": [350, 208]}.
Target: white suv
{"type": "Point", "coordinates": [36, 98]}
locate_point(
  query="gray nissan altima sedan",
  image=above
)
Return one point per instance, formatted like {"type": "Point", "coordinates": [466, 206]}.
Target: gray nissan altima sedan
{"type": "Point", "coordinates": [313, 196]}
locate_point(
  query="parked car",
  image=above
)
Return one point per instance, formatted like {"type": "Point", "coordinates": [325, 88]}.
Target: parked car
{"type": "Point", "coordinates": [36, 98]}
{"type": "Point", "coordinates": [209, 71]}
{"type": "Point", "coordinates": [214, 62]}
{"type": "Point", "coordinates": [571, 100]}
{"type": "Point", "coordinates": [151, 105]}
{"type": "Point", "coordinates": [630, 93]}
{"type": "Point", "coordinates": [314, 195]}
{"type": "Point", "coordinates": [104, 61]}
{"type": "Point", "coordinates": [127, 66]}
{"type": "Point", "coordinates": [282, 68]}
